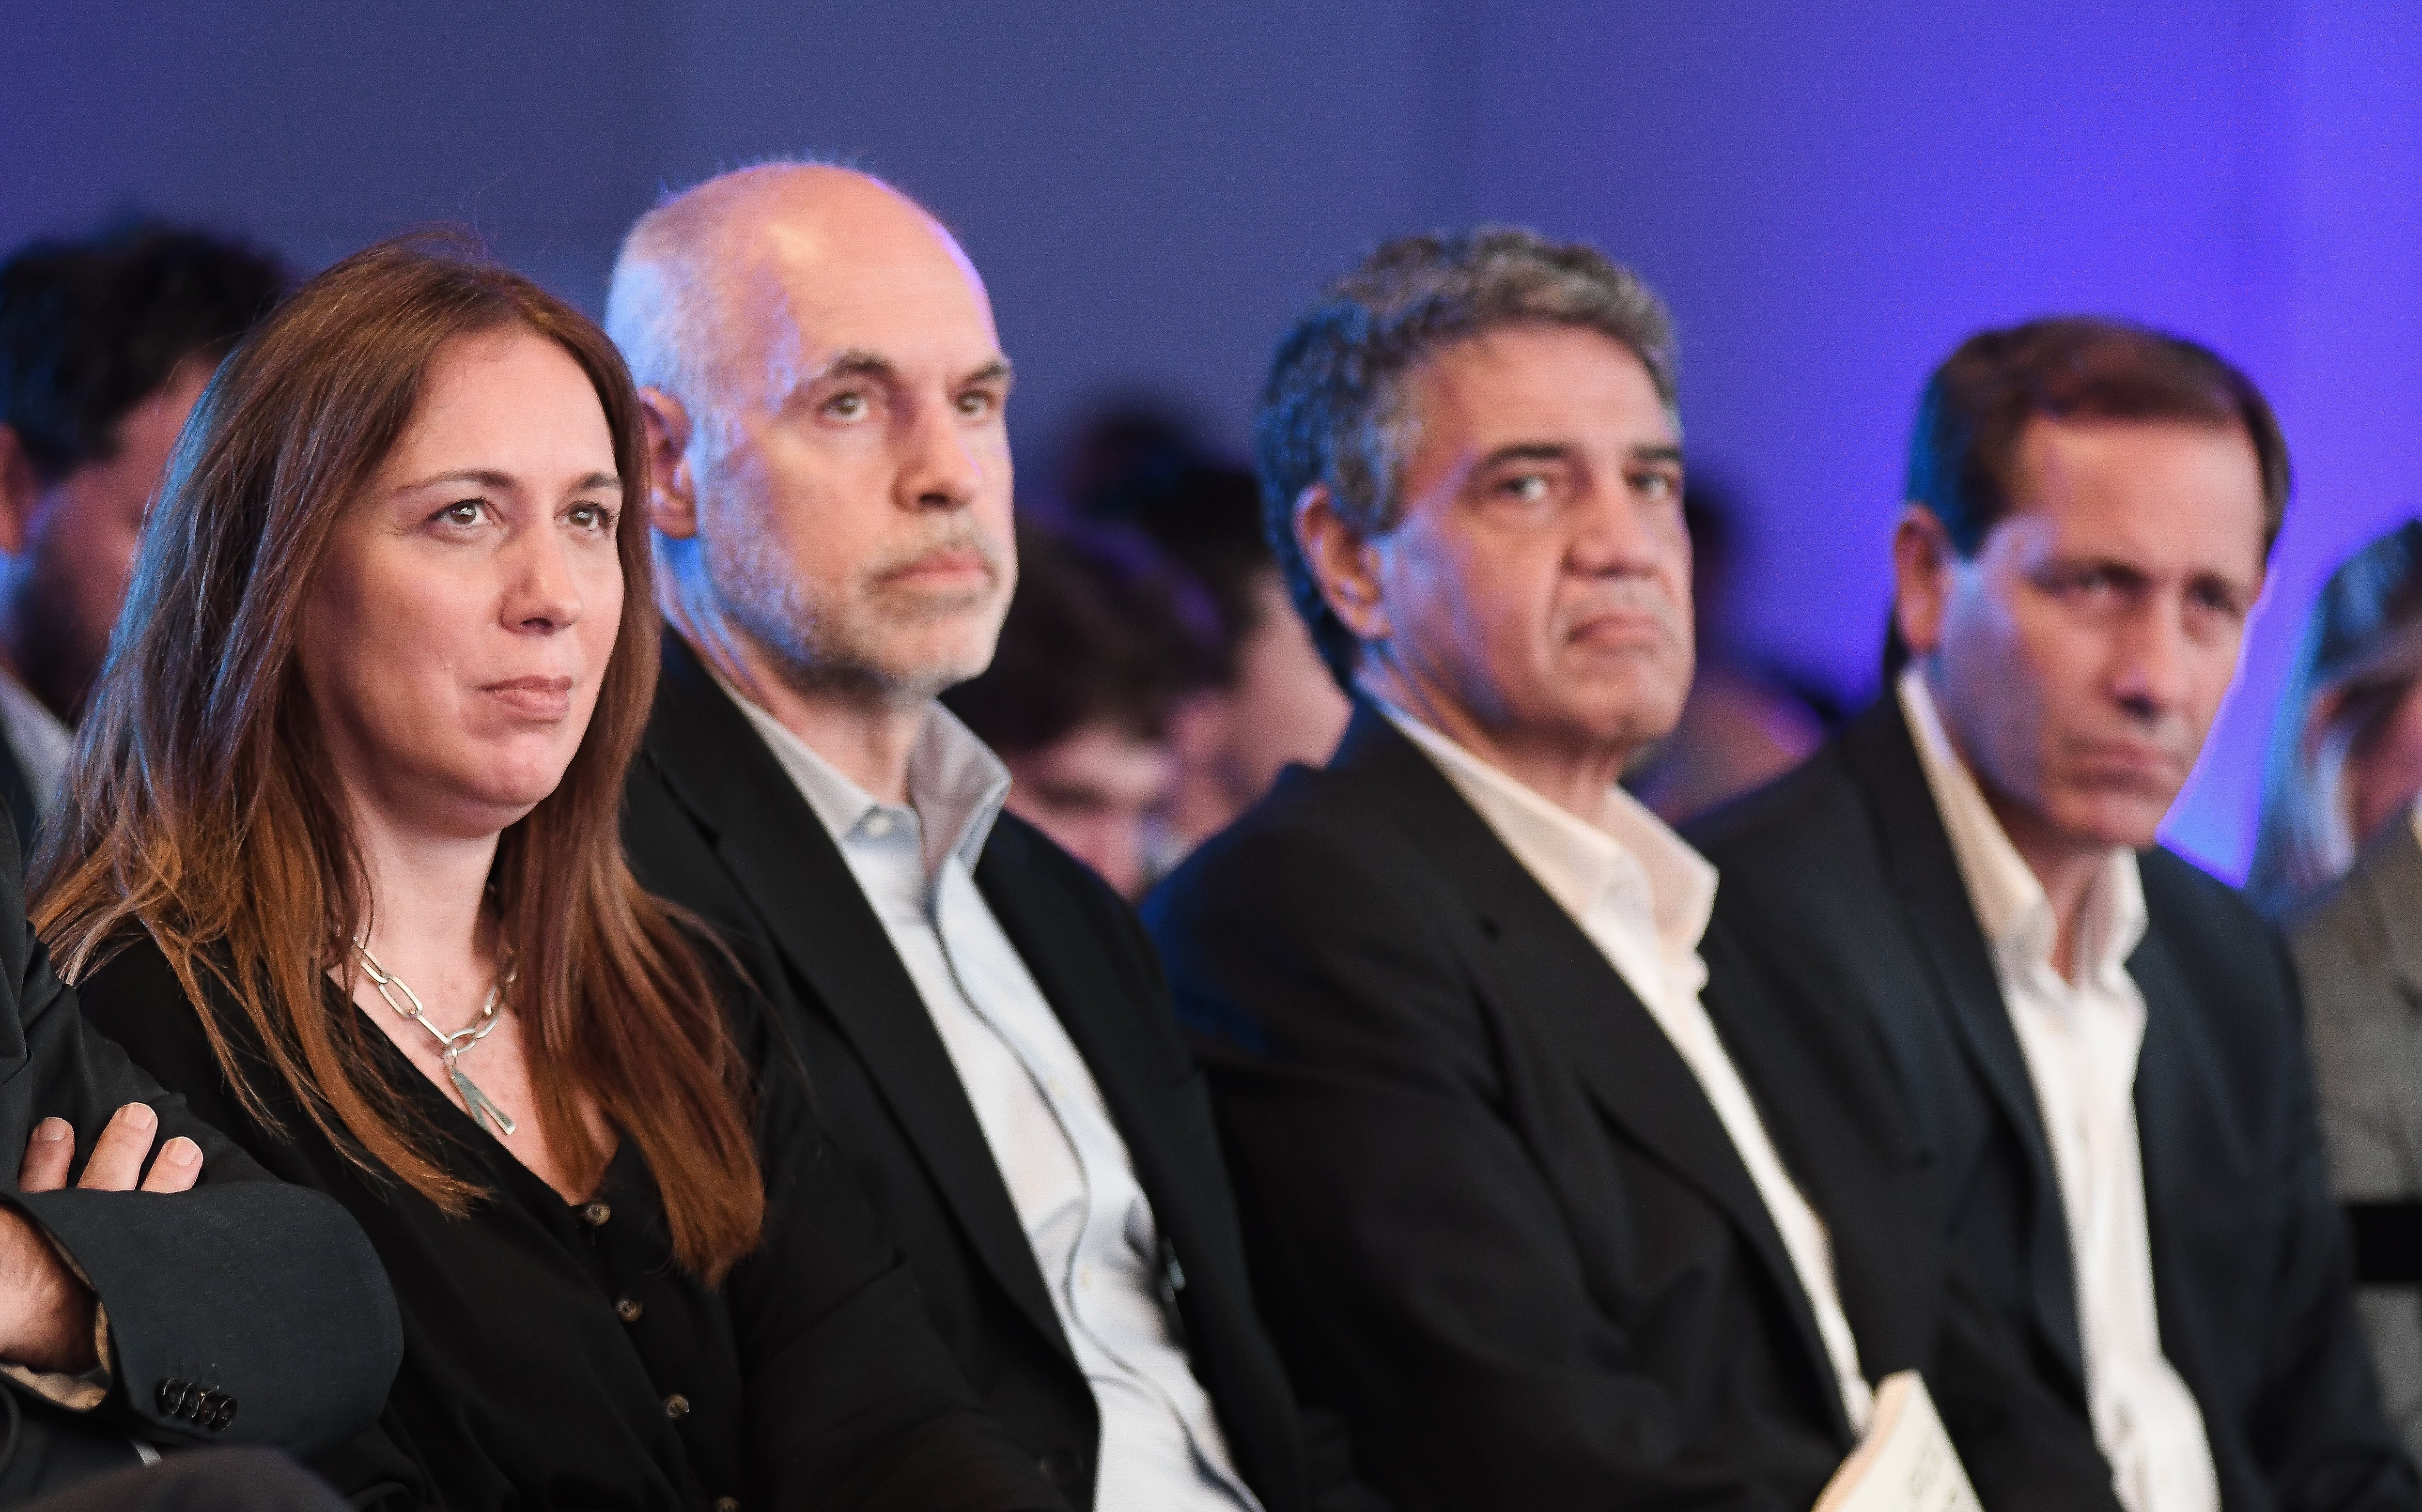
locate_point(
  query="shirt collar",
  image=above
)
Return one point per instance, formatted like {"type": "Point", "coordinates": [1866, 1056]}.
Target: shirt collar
{"type": "Point", "coordinates": [2009, 899]}
{"type": "Point", "coordinates": [1576, 861]}
{"type": "Point", "coordinates": [956, 785]}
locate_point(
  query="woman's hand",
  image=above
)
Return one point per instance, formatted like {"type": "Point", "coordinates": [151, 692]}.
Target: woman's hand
{"type": "Point", "coordinates": [46, 1312]}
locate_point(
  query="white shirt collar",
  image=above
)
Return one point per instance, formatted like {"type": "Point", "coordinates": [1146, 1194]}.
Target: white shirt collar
{"type": "Point", "coordinates": [956, 785]}
{"type": "Point", "coordinates": [2009, 899]}
{"type": "Point", "coordinates": [1576, 861]}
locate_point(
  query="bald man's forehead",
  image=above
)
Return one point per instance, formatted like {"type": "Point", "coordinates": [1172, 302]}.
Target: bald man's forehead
{"type": "Point", "coordinates": [803, 293]}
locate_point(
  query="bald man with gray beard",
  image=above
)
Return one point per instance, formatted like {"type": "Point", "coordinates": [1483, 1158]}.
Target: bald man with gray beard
{"type": "Point", "coordinates": [983, 1019]}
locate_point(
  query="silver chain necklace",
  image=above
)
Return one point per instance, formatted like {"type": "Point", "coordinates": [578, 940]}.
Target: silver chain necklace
{"type": "Point", "coordinates": [451, 1048]}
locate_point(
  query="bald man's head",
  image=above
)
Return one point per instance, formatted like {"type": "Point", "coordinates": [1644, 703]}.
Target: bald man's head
{"type": "Point", "coordinates": [829, 458]}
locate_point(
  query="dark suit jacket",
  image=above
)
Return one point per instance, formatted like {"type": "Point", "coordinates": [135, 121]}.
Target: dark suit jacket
{"type": "Point", "coordinates": [1841, 879]}
{"type": "Point", "coordinates": [713, 822]}
{"type": "Point", "coordinates": [262, 1296]}
{"type": "Point", "coordinates": [1495, 1220]}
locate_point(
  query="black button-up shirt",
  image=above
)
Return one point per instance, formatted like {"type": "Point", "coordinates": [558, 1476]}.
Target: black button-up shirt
{"type": "Point", "coordinates": [556, 1356]}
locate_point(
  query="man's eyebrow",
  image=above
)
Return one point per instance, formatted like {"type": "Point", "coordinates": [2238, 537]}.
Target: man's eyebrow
{"type": "Point", "coordinates": [1527, 451]}
{"type": "Point", "coordinates": [1657, 453]}
{"type": "Point", "coordinates": [998, 371]}
{"type": "Point", "coordinates": [855, 362]}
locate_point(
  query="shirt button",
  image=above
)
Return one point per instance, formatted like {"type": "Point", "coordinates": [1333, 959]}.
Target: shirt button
{"type": "Point", "coordinates": [676, 1407]}
{"type": "Point", "coordinates": [625, 1309]}
{"type": "Point", "coordinates": [595, 1215]}
{"type": "Point", "coordinates": [878, 825]}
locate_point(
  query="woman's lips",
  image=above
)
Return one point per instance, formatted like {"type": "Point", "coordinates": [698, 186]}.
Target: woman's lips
{"type": "Point", "coordinates": [534, 698]}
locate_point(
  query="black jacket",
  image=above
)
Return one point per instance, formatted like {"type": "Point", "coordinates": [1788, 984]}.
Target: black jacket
{"type": "Point", "coordinates": [713, 822]}
{"type": "Point", "coordinates": [1494, 1219]}
{"type": "Point", "coordinates": [263, 1295]}
{"type": "Point", "coordinates": [1841, 879]}
{"type": "Point", "coordinates": [556, 1355]}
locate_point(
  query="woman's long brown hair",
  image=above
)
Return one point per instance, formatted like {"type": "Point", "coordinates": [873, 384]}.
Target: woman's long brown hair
{"type": "Point", "coordinates": [201, 807]}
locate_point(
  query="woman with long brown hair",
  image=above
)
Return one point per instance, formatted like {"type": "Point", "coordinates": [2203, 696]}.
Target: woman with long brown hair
{"type": "Point", "coordinates": [339, 860]}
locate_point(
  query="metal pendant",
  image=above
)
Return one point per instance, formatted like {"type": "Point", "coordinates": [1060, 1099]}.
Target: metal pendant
{"type": "Point", "coordinates": [477, 1103]}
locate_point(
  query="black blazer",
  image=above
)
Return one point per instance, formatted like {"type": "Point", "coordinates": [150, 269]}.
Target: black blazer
{"type": "Point", "coordinates": [713, 822]}
{"type": "Point", "coordinates": [1493, 1217]}
{"type": "Point", "coordinates": [1842, 880]}
{"type": "Point", "coordinates": [242, 1312]}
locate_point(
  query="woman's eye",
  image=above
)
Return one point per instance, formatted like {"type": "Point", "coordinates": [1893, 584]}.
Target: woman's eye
{"type": "Point", "coordinates": [465, 512]}
{"type": "Point", "coordinates": [593, 517]}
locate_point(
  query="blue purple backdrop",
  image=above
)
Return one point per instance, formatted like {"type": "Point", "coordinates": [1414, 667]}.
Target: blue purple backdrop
{"type": "Point", "coordinates": [1830, 195]}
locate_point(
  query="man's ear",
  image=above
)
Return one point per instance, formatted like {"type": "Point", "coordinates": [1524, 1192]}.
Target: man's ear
{"type": "Point", "coordinates": [1922, 562]}
{"type": "Point", "coordinates": [19, 492]}
{"type": "Point", "coordinates": [672, 494]}
{"type": "Point", "coordinates": [1343, 564]}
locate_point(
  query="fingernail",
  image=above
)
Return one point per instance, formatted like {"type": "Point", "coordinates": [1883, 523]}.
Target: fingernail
{"type": "Point", "coordinates": [180, 1151]}
{"type": "Point", "coordinates": [52, 1130]}
{"type": "Point", "coordinates": [141, 1115]}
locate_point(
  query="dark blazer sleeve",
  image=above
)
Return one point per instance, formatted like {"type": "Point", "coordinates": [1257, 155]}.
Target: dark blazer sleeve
{"type": "Point", "coordinates": [265, 1293]}
{"type": "Point", "coordinates": [852, 1399]}
{"type": "Point", "coordinates": [2316, 1417]}
{"type": "Point", "coordinates": [1415, 1261]}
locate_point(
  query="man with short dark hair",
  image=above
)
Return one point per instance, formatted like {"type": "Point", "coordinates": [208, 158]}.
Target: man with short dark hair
{"type": "Point", "coordinates": [106, 343]}
{"type": "Point", "coordinates": [1541, 1191]}
{"type": "Point", "coordinates": [2101, 1044]}
{"type": "Point", "coordinates": [1103, 638]}
{"type": "Point", "coordinates": [1269, 702]}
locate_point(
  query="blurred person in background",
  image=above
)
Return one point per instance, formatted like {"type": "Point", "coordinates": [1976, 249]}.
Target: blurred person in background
{"type": "Point", "coordinates": [2346, 745]}
{"type": "Point", "coordinates": [1103, 641]}
{"type": "Point", "coordinates": [1269, 701]}
{"type": "Point", "coordinates": [1745, 724]}
{"type": "Point", "coordinates": [104, 344]}
{"type": "Point", "coordinates": [2340, 854]}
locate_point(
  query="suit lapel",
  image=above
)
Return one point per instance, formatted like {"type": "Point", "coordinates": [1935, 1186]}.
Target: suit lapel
{"type": "Point", "coordinates": [812, 911]}
{"type": "Point", "coordinates": [1933, 895]}
{"type": "Point", "coordinates": [1621, 1054]}
{"type": "Point", "coordinates": [2178, 1168]}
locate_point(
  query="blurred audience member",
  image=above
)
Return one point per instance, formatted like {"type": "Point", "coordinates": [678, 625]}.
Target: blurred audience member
{"type": "Point", "coordinates": [2346, 762]}
{"type": "Point", "coordinates": [1269, 701]}
{"type": "Point", "coordinates": [106, 343]}
{"type": "Point", "coordinates": [2346, 748]}
{"type": "Point", "coordinates": [1744, 725]}
{"type": "Point", "coordinates": [1094, 656]}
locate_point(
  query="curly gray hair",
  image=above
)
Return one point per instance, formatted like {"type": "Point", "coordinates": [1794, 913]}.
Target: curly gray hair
{"type": "Point", "coordinates": [1333, 411]}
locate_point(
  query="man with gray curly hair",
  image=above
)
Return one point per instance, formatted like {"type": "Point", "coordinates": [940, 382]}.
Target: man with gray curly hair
{"type": "Point", "coordinates": [1541, 1190]}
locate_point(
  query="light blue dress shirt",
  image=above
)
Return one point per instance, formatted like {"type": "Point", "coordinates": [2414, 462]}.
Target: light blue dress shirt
{"type": "Point", "coordinates": [1064, 1161]}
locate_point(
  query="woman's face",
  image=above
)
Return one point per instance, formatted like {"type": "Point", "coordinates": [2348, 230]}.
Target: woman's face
{"type": "Point", "coordinates": [453, 644]}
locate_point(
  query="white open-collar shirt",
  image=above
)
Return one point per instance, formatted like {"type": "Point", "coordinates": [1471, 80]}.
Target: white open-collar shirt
{"type": "Point", "coordinates": [2080, 1039]}
{"type": "Point", "coordinates": [1066, 1167]}
{"type": "Point", "coordinates": [1643, 898]}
